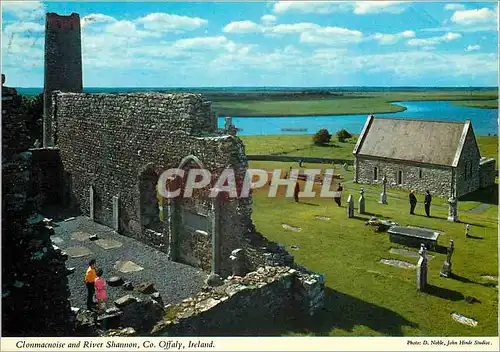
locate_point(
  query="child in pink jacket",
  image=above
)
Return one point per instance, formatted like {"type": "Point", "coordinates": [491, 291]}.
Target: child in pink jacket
{"type": "Point", "coordinates": [100, 290]}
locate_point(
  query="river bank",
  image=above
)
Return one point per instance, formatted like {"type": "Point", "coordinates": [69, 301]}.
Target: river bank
{"type": "Point", "coordinates": [344, 103]}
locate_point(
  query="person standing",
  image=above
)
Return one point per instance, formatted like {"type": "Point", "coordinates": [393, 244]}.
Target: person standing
{"type": "Point", "coordinates": [89, 281]}
{"type": "Point", "coordinates": [413, 202]}
{"type": "Point", "coordinates": [296, 191]}
{"type": "Point", "coordinates": [427, 203]}
{"type": "Point", "coordinates": [338, 198]}
{"type": "Point", "coordinates": [100, 290]}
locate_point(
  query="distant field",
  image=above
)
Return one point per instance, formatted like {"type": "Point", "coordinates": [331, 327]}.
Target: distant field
{"type": "Point", "coordinates": [486, 104]}
{"type": "Point", "coordinates": [338, 103]}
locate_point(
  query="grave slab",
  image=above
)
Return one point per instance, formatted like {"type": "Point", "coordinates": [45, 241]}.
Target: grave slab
{"type": "Point", "coordinates": [489, 277]}
{"type": "Point", "coordinates": [398, 263]}
{"type": "Point", "coordinates": [127, 266]}
{"type": "Point", "coordinates": [290, 227]}
{"type": "Point", "coordinates": [108, 243]}
{"type": "Point", "coordinates": [77, 252]}
{"type": "Point", "coordinates": [463, 319]}
{"type": "Point", "coordinates": [80, 236]}
{"type": "Point", "coordinates": [414, 236]}
{"type": "Point", "coordinates": [407, 253]}
{"type": "Point", "coordinates": [324, 218]}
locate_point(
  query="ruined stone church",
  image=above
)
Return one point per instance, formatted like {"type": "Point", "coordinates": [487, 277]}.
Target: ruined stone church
{"type": "Point", "coordinates": [439, 156]}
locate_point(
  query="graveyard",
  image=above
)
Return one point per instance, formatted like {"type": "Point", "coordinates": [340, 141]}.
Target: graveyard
{"type": "Point", "coordinates": [365, 296]}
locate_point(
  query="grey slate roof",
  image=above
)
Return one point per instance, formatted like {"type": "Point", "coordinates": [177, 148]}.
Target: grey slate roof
{"type": "Point", "coordinates": [425, 141]}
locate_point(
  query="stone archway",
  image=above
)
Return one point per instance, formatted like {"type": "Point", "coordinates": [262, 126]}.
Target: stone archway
{"type": "Point", "coordinates": [192, 224]}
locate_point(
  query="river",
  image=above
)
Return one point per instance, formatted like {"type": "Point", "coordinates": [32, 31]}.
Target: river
{"type": "Point", "coordinates": [484, 121]}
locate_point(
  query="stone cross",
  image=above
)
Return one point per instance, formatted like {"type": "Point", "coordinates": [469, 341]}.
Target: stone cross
{"type": "Point", "coordinates": [383, 195]}
{"type": "Point", "coordinates": [452, 209]}
{"type": "Point", "coordinates": [361, 202]}
{"type": "Point", "coordinates": [422, 269]}
{"type": "Point", "coordinates": [446, 269]}
{"type": "Point", "coordinates": [350, 206]}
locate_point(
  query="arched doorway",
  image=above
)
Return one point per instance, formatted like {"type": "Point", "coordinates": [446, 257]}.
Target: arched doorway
{"type": "Point", "coordinates": [148, 201]}
{"type": "Point", "coordinates": [192, 220]}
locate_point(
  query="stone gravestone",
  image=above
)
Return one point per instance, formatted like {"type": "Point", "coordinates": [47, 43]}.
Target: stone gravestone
{"type": "Point", "coordinates": [446, 269]}
{"type": "Point", "coordinates": [238, 262]}
{"type": "Point", "coordinates": [346, 167]}
{"type": "Point", "coordinates": [467, 228]}
{"type": "Point", "coordinates": [383, 195]}
{"type": "Point", "coordinates": [361, 202]}
{"type": "Point", "coordinates": [452, 210]}
{"type": "Point", "coordinates": [350, 206]}
{"type": "Point", "coordinates": [422, 269]}
{"type": "Point", "coordinates": [91, 202]}
{"type": "Point", "coordinates": [116, 215]}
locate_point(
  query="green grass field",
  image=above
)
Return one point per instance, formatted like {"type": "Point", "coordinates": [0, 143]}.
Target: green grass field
{"type": "Point", "coordinates": [366, 297]}
{"type": "Point", "coordinates": [486, 104]}
{"type": "Point", "coordinates": [340, 103]}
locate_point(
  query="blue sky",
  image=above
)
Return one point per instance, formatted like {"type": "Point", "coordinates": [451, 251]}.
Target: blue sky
{"type": "Point", "coordinates": [334, 43]}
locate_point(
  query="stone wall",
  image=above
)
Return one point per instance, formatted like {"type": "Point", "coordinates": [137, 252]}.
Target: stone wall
{"type": "Point", "coordinates": [35, 293]}
{"type": "Point", "coordinates": [467, 178]}
{"type": "Point", "coordinates": [487, 172]}
{"type": "Point", "coordinates": [121, 143]}
{"type": "Point", "coordinates": [259, 302]}
{"type": "Point", "coordinates": [436, 179]}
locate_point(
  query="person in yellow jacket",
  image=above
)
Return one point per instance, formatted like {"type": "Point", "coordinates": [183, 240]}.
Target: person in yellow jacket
{"type": "Point", "coordinates": [90, 277]}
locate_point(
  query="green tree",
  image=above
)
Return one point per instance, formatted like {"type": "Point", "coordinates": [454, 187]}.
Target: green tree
{"type": "Point", "coordinates": [322, 137]}
{"type": "Point", "coordinates": [342, 135]}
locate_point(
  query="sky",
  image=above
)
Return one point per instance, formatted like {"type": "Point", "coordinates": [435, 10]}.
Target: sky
{"type": "Point", "coordinates": [278, 43]}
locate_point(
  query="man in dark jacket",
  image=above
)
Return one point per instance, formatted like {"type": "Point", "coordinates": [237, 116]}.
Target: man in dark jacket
{"type": "Point", "coordinates": [338, 199]}
{"type": "Point", "coordinates": [413, 202]}
{"type": "Point", "coordinates": [427, 203]}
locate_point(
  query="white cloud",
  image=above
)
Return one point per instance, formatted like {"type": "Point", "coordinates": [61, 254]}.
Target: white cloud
{"type": "Point", "coordinates": [203, 43]}
{"type": "Point", "coordinates": [473, 47]}
{"type": "Point", "coordinates": [331, 35]}
{"type": "Point", "coordinates": [319, 7]}
{"type": "Point", "coordinates": [454, 7]}
{"type": "Point", "coordinates": [242, 27]}
{"type": "Point", "coordinates": [371, 7]}
{"type": "Point", "coordinates": [23, 27]}
{"type": "Point", "coordinates": [95, 18]}
{"type": "Point", "coordinates": [387, 39]}
{"type": "Point", "coordinates": [268, 19]}
{"type": "Point", "coordinates": [472, 17]}
{"type": "Point", "coordinates": [315, 34]}
{"type": "Point", "coordinates": [328, 7]}
{"type": "Point", "coordinates": [294, 28]}
{"type": "Point", "coordinates": [165, 22]}
{"type": "Point", "coordinates": [435, 40]}
{"type": "Point", "coordinates": [129, 29]}
{"type": "Point", "coordinates": [25, 10]}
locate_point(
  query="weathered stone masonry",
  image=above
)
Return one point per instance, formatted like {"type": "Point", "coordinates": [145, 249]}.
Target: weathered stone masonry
{"type": "Point", "coordinates": [35, 289]}
{"type": "Point", "coordinates": [436, 179]}
{"type": "Point", "coordinates": [63, 64]}
{"type": "Point", "coordinates": [120, 143]}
